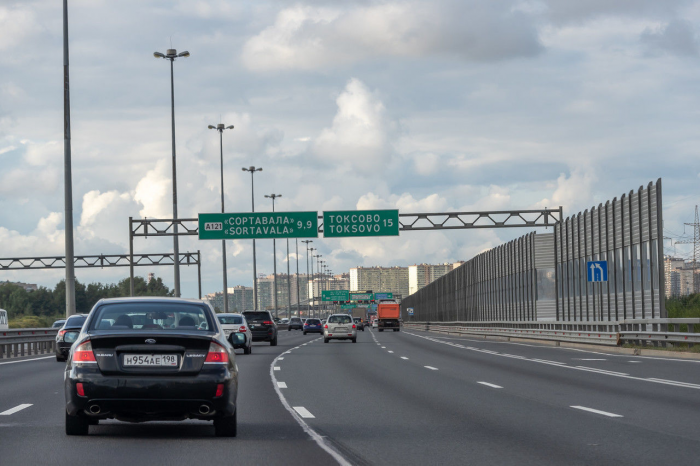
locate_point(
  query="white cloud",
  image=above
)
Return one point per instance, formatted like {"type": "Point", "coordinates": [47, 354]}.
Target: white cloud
{"type": "Point", "coordinates": [573, 193]}
{"type": "Point", "coordinates": [16, 24]}
{"type": "Point", "coordinates": [154, 192]}
{"type": "Point", "coordinates": [361, 132]}
{"type": "Point", "coordinates": [678, 37]}
{"type": "Point", "coordinates": [313, 38]}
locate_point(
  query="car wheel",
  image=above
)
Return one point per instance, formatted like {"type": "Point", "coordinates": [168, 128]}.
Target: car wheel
{"type": "Point", "coordinates": [325, 340]}
{"type": "Point", "coordinates": [380, 329]}
{"type": "Point", "coordinates": [246, 349]}
{"type": "Point", "coordinates": [354, 340]}
{"type": "Point", "coordinates": [76, 425]}
{"type": "Point", "coordinates": [304, 333]}
{"type": "Point", "coordinates": [289, 329]}
{"type": "Point", "coordinates": [226, 426]}
{"type": "Point", "coordinates": [274, 342]}
{"type": "Point", "coordinates": [60, 359]}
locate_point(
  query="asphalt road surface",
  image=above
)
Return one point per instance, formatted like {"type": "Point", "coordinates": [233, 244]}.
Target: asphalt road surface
{"type": "Point", "coordinates": [392, 398]}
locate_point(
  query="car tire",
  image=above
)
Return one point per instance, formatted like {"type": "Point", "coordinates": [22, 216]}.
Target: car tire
{"type": "Point", "coordinates": [354, 340]}
{"type": "Point", "coordinates": [289, 329]}
{"type": "Point", "coordinates": [380, 329]}
{"type": "Point", "coordinates": [60, 359]}
{"type": "Point", "coordinates": [226, 426]}
{"type": "Point", "coordinates": [76, 425]}
{"type": "Point", "coordinates": [274, 342]}
{"type": "Point", "coordinates": [304, 333]}
{"type": "Point", "coordinates": [325, 340]}
{"type": "Point", "coordinates": [246, 349]}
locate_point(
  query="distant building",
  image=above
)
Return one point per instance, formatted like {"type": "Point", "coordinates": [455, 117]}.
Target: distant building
{"type": "Point", "coordinates": [681, 278]}
{"type": "Point", "coordinates": [240, 298]}
{"type": "Point", "coordinates": [286, 290]}
{"type": "Point", "coordinates": [380, 279]}
{"type": "Point", "coordinates": [421, 275]}
{"type": "Point", "coordinates": [25, 286]}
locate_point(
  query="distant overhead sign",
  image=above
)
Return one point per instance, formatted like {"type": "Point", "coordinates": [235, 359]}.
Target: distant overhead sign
{"type": "Point", "coordinates": [410, 311]}
{"type": "Point", "coordinates": [597, 271]}
{"type": "Point", "coordinates": [335, 295]}
{"type": "Point", "coordinates": [259, 225]}
{"type": "Point", "coordinates": [383, 296]}
{"type": "Point", "coordinates": [360, 223]}
{"type": "Point", "coordinates": [361, 296]}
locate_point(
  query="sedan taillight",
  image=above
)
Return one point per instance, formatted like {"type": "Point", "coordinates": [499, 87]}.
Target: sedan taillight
{"type": "Point", "coordinates": [268, 322]}
{"type": "Point", "coordinates": [354, 326]}
{"type": "Point", "coordinates": [241, 328]}
{"type": "Point", "coordinates": [59, 337]}
{"type": "Point", "coordinates": [217, 354]}
{"type": "Point", "coordinates": [325, 326]}
{"type": "Point", "coordinates": [83, 353]}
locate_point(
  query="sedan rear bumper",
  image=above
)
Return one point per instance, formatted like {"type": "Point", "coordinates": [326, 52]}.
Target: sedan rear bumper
{"type": "Point", "coordinates": [136, 399]}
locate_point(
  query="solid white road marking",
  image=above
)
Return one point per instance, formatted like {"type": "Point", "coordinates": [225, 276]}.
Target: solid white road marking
{"type": "Point", "coordinates": [602, 371]}
{"type": "Point", "coordinates": [634, 361]}
{"type": "Point", "coordinates": [490, 385]}
{"type": "Point", "coordinates": [27, 360]}
{"type": "Point", "coordinates": [584, 359]}
{"type": "Point", "coordinates": [431, 368]}
{"type": "Point", "coordinates": [277, 368]}
{"type": "Point", "coordinates": [303, 412]}
{"type": "Point", "coordinates": [383, 347]}
{"type": "Point", "coordinates": [597, 411]}
{"type": "Point", "coordinates": [280, 359]}
{"type": "Point", "coordinates": [281, 384]}
{"type": "Point", "coordinates": [404, 357]}
{"type": "Point", "coordinates": [15, 409]}
{"type": "Point", "coordinates": [390, 351]}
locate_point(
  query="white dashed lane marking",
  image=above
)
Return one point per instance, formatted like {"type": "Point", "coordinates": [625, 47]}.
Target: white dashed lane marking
{"type": "Point", "coordinates": [404, 357]}
{"type": "Point", "coordinates": [431, 368]}
{"type": "Point", "coordinates": [281, 384]}
{"type": "Point", "coordinates": [490, 385]}
{"type": "Point", "coordinates": [277, 368]}
{"type": "Point", "coordinates": [596, 411]}
{"type": "Point", "coordinates": [303, 412]}
{"type": "Point", "coordinates": [15, 409]}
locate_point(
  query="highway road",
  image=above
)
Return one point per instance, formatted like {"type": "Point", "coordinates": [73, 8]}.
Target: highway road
{"type": "Point", "coordinates": [392, 398]}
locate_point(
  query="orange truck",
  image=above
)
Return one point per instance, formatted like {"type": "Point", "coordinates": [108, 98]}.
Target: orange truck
{"type": "Point", "coordinates": [388, 313]}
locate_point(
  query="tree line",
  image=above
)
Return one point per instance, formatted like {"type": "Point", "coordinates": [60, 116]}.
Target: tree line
{"type": "Point", "coordinates": [42, 306]}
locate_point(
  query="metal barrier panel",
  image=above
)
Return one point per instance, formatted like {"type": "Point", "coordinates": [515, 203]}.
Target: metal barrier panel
{"type": "Point", "coordinates": [543, 277]}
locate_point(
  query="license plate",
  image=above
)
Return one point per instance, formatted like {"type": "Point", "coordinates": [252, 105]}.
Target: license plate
{"type": "Point", "coordinates": [168, 360]}
{"type": "Point", "coordinates": [252, 326]}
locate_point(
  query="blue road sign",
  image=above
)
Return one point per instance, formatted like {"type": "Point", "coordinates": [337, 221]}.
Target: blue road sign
{"type": "Point", "coordinates": [597, 271]}
{"type": "Point", "coordinates": [410, 311]}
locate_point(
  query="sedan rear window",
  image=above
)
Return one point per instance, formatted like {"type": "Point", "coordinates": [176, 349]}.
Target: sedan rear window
{"type": "Point", "coordinates": [339, 320]}
{"type": "Point", "coordinates": [257, 315]}
{"type": "Point", "coordinates": [151, 317]}
{"type": "Point", "coordinates": [296, 319]}
{"type": "Point", "coordinates": [230, 320]}
{"type": "Point", "coordinates": [313, 321]}
{"type": "Point", "coordinates": [75, 321]}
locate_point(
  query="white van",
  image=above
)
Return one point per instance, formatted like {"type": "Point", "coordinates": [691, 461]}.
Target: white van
{"type": "Point", "coordinates": [3, 320]}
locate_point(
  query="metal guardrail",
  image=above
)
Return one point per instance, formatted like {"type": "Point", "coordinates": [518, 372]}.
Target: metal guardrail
{"type": "Point", "coordinates": [653, 332]}
{"type": "Point", "coordinates": [27, 342]}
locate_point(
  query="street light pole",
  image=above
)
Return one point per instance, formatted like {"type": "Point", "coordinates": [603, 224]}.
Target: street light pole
{"type": "Point", "coordinates": [308, 300]}
{"type": "Point", "coordinates": [252, 171]}
{"type": "Point", "coordinates": [296, 253]}
{"type": "Point", "coordinates": [67, 175]}
{"type": "Point", "coordinates": [318, 272]}
{"type": "Point", "coordinates": [313, 290]}
{"type": "Point", "coordinates": [289, 288]}
{"type": "Point", "coordinates": [274, 253]}
{"type": "Point", "coordinates": [220, 128]}
{"type": "Point", "coordinates": [171, 54]}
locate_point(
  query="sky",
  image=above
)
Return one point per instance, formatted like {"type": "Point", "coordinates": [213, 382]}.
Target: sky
{"type": "Point", "coordinates": [424, 106]}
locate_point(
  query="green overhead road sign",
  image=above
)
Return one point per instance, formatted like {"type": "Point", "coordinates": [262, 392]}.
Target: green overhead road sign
{"type": "Point", "coordinates": [335, 295]}
{"type": "Point", "coordinates": [259, 225]}
{"type": "Point", "coordinates": [347, 306]}
{"type": "Point", "coordinates": [344, 223]}
{"type": "Point", "coordinates": [361, 296]}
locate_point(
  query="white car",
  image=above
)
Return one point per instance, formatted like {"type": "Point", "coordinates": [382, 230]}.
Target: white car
{"type": "Point", "coordinates": [340, 327]}
{"type": "Point", "coordinates": [237, 331]}
{"type": "Point", "coordinates": [375, 323]}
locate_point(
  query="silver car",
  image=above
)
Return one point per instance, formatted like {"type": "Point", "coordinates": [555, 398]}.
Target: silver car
{"type": "Point", "coordinates": [339, 327]}
{"type": "Point", "coordinates": [237, 331]}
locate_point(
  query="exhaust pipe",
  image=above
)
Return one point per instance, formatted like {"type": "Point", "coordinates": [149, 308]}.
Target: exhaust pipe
{"type": "Point", "coordinates": [204, 409]}
{"type": "Point", "coordinates": [95, 409]}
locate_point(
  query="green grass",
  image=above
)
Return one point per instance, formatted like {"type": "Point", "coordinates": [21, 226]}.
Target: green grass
{"type": "Point", "coordinates": [31, 321]}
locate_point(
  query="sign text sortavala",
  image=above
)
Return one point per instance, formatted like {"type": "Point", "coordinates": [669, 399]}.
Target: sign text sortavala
{"type": "Point", "coordinates": [258, 225]}
{"type": "Point", "coordinates": [360, 223]}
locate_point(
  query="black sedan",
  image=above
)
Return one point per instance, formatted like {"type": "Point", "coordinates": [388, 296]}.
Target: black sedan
{"type": "Point", "coordinates": [151, 359]}
{"type": "Point", "coordinates": [67, 335]}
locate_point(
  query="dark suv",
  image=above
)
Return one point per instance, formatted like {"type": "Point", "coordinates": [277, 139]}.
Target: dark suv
{"type": "Point", "coordinates": [262, 326]}
{"type": "Point", "coordinates": [295, 323]}
{"type": "Point", "coordinates": [68, 334]}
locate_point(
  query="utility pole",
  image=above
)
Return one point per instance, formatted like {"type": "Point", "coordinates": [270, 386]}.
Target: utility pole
{"type": "Point", "coordinates": [289, 288]}
{"type": "Point", "coordinates": [297, 276]}
{"type": "Point", "coordinates": [252, 171]}
{"type": "Point", "coordinates": [67, 175]}
{"type": "Point", "coordinates": [313, 289]}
